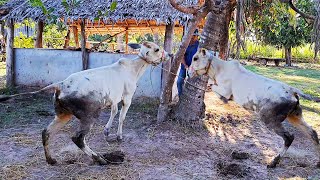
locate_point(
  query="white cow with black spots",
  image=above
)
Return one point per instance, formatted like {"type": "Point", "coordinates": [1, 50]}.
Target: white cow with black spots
{"type": "Point", "coordinates": [274, 101]}
{"type": "Point", "coordinates": [84, 94]}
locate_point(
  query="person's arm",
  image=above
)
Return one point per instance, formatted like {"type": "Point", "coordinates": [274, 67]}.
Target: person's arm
{"type": "Point", "coordinates": [184, 62]}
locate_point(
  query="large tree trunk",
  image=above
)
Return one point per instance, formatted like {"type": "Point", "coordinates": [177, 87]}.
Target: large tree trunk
{"type": "Point", "coordinates": [191, 108]}
{"type": "Point", "coordinates": [288, 56]}
{"type": "Point", "coordinates": [165, 98]}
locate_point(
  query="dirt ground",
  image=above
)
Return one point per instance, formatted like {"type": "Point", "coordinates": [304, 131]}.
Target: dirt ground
{"type": "Point", "coordinates": [232, 145]}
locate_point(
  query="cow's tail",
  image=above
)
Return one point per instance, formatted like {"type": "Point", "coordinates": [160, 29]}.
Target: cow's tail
{"type": "Point", "coordinates": [306, 96]}
{"type": "Point", "coordinates": [51, 87]}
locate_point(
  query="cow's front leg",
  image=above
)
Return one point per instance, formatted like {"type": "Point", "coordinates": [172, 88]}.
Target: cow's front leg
{"type": "Point", "coordinates": [114, 111]}
{"type": "Point", "coordinates": [222, 91]}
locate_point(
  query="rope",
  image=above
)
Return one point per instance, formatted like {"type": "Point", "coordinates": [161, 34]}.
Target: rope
{"type": "Point", "coordinates": [185, 80]}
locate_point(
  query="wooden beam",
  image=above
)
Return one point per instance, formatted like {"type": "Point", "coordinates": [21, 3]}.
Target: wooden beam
{"type": "Point", "coordinates": [85, 54]}
{"type": "Point", "coordinates": [39, 39]}
{"type": "Point", "coordinates": [10, 54]}
{"type": "Point", "coordinates": [75, 35]}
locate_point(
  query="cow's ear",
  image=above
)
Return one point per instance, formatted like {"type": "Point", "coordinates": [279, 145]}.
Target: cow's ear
{"type": "Point", "coordinates": [134, 45]}
{"type": "Point", "coordinates": [146, 44]}
{"type": "Point", "coordinates": [203, 51]}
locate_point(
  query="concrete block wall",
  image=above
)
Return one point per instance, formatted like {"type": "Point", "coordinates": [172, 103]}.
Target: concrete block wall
{"type": "Point", "coordinates": [40, 67]}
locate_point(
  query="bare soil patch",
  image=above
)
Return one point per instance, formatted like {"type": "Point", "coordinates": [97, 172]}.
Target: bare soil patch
{"type": "Point", "coordinates": [231, 145]}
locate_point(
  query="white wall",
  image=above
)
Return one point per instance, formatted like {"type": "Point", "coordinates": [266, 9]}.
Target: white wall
{"type": "Point", "coordinates": [40, 67]}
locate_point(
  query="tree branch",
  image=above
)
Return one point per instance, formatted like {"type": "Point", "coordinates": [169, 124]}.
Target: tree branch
{"type": "Point", "coordinates": [188, 10]}
{"type": "Point", "coordinates": [292, 6]}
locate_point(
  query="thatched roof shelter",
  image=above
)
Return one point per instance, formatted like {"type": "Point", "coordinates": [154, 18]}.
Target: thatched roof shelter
{"type": "Point", "coordinates": [135, 15]}
{"type": "Point", "coordinates": [94, 17]}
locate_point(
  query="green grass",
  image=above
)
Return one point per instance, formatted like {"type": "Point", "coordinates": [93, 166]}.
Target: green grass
{"type": "Point", "coordinates": [2, 74]}
{"type": "Point", "coordinates": [307, 80]}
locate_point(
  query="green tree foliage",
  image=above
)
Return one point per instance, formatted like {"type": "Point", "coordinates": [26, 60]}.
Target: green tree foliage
{"type": "Point", "coordinates": [277, 24]}
{"type": "Point", "coordinates": [22, 41]}
{"type": "Point", "coordinates": [3, 1]}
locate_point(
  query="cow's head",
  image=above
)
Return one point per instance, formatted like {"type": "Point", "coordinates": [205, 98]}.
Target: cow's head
{"type": "Point", "coordinates": [201, 62]}
{"type": "Point", "coordinates": [152, 53]}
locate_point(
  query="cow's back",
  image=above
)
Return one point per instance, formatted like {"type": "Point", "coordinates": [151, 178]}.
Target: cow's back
{"type": "Point", "coordinates": [253, 91]}
{"type": "Point", "coordinates": [99, 84]}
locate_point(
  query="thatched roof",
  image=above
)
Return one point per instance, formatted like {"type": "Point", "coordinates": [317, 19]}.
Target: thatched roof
{"type": "Point", "coordinates": [158, 10]}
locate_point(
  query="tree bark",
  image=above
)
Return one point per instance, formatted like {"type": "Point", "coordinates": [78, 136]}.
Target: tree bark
{"type": "Point", "coordinates": [288, 56]}
{"type": "Point", "coordinates": [238, 28]}
{"type": "Point", "coordinates": [163, 110]}
{"type": "Point", "coordinates": [39, 39]}
{"type": "Point", "coordinates": [224, 40]}
{"type": "Point", "coordinates": [10, 54]}
{"type": "Point", "coordinates": [191, 108]}
{"type": "Point", "coordinates": [85, 54]}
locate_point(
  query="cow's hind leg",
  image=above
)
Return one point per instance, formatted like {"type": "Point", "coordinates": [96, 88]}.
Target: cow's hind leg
{"type": "Point", "coordinates": [297, 120]}
{"type": "Point", "coordinates": [114, 111]}
{"type": "Point", "coordinates": [286, 136]}
{"type": "Point", "coordinates": [58, 122]}
{"type": "Point", "coordinates": [79, 140]}
{"type": "Point", "coordinates": [124, 110]}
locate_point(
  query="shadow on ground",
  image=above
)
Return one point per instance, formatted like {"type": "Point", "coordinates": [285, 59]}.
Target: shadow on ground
{"type": "Point", "coordinates": [232, 145]}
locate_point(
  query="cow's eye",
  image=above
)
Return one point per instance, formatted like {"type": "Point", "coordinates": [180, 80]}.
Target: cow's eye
{"type": "Point", "coordinates": [157, 50]}
{"type": "Point", "coordinates": [195, 59]}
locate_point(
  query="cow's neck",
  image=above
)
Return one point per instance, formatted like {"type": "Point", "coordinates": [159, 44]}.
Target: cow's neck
{"type": "Point", "coordinates": [139, 67]}
{"type": "Point", "coordinates": [217, 67]}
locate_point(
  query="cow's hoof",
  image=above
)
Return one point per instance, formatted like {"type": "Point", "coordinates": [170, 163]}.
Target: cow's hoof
{"type": "Point", "coordinates": [318, 164]}
{"type": "Point", "coordinates": [106, 132]}
{"type": "Point", "coordinates": [111, 138]}
{"type": "Point", "coordinates": [51, 161]}
{"type": "Point", "coordinates": [119, 138]}
{"type": "Point", "coordinates": [99, 159]}
{"type": "Point", "coordinates": [274, 162]}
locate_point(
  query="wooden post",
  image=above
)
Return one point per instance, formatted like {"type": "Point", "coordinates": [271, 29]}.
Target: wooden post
{"type": "Point", "coordinates": [127, 40]}
{"type": "Point", "coordinates": [75, 35]}
{"type": "Point", "coordinates": [168, 43]}
{"type": "Point", "coordinates": [3, 39]}
{"type": "Point", "coordinates": [85, 54]}
{"type": "Point", "coordinates": [10, 54]}
{"type": "Point", "coordinates": [120, 42]}
{"type": "Point", "coordinates": [2, 29]}
{"type": "Point", "coordinates": [39, 42]}
{"type": "Point", "coordinates": [166, 96]}
{"type": "Point", "coordinates": [67, 39]}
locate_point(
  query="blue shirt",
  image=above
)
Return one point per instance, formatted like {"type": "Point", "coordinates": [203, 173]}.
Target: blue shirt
{"type": "Point", "coordinates": [191, 50]}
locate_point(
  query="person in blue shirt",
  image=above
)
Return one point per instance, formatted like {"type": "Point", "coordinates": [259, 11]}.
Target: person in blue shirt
{"type": "Point", "coordinates": [186, 62]}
